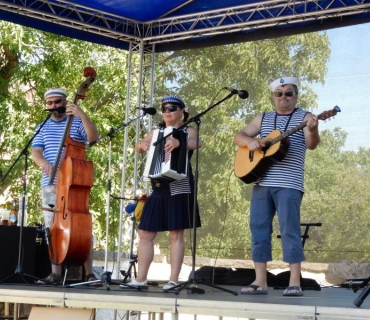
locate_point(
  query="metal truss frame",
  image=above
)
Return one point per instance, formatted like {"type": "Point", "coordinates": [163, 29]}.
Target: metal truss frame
{"type": "Point", "coordinates": [131, 184]}
{"type": "Point", "coordinates": [243, 18]}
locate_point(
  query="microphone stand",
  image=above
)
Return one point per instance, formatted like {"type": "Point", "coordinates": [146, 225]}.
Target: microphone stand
{"type": "Point", "coordinates": [18, 268]}
{"type": "Point", "coordinates": [132, 257]}
{"type": "Point", "coordinates": [107, 275]}
{"type": "Point", "coordinates": [361, 298]}
{"type": "Point", "coordinates": [192, 280]}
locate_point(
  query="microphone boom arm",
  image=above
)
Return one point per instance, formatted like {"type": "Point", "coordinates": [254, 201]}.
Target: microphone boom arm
{"type": "Point", "coordinates": [25, 149]}
{"type": "Point", "coordinates": [112, 131]}
{"type": "Point", "coordinates": [195, 119]}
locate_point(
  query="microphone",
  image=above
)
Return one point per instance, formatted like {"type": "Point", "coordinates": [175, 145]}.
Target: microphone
{"type": "Point", "coordinates": [150, 111]}
{"type": "Point", "coordinates": [59, 110]}
{"type": "Point", "coordinates": [130, 208]}
{"type": "Point", "coordinates": [243, 94]}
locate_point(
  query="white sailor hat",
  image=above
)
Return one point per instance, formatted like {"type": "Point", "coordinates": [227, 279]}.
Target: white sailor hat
{"type": "Point", "coordinates": [282, 81]}
{"type": "Point", "coordinates": [173, 99]}
{"type": "Point", "coordinates": [55, 93]}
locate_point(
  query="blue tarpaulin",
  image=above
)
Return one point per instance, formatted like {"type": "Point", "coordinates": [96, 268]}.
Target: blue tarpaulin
{"type": "Point", "coordinates": [180, 24]}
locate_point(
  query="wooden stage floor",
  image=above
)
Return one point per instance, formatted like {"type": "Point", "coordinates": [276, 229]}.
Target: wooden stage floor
{"type": "Point", "coordinates": [329, 303]}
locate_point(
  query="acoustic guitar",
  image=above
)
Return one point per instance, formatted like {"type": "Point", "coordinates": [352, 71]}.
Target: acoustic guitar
{"type": "Point", "coordinates": [250, 165]}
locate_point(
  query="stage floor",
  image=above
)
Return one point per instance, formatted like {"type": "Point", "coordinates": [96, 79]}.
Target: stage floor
{"type": "Point", "coordinates": [328, 303]}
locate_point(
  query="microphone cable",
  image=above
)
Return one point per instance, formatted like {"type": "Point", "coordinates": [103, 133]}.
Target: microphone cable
{"type": "Point", "coordinates": [223, 226]}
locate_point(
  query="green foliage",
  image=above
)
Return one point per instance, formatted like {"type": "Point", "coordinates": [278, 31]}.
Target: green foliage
{"type": "Point", "coordinates": [337, 195]}
{"type": "Point", "coordinates": [337, 181]}
{"type": "Point", "coordinates": [196, 75]}
{"type": "Point", "coordinates": [48, 61]}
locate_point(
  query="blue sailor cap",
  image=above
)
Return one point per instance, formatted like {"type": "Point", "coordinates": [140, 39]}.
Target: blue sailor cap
{"type": "Point", "coordinates": [173, 99]}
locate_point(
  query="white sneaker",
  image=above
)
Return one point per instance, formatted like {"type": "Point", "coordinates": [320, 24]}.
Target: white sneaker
{"type": "Point", "coordinates": [170, 285]}
{"type": "Point", "coordinates": [134, 283]}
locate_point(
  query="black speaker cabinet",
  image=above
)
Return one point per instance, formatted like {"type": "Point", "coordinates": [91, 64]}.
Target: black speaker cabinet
{"type": "Point", "coordinates": [42, 261]}
{"type": "Point", "coordinates": [9, 239]}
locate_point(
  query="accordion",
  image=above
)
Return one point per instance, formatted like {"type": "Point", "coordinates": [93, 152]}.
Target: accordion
{"type": "Point", "coordinates": [166, 166]}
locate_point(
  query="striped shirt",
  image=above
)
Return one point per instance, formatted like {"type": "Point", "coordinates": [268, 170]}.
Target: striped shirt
{"type": "Point", "coordinates": [288, 173]}
{"type": "Point", "coordinates": [180, 186]}
{"type": "Point", "coordinates": [50, 136]}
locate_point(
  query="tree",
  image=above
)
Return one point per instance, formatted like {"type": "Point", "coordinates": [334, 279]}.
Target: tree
{"type": "Point", "coordinates": [337, 196]}
{"type": "Point", "coordinates": [35, 61]}
{"type": "Point", "coordinates": [196, 75]}
{"type": "Point", "coordinates": [336, 180]}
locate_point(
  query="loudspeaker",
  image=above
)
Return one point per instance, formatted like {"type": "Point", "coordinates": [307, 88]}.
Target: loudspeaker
{"type": "Point", "coordinates": [282, 280]}
{"type": "Point", "coordinates": [42, 260]}
{"type": "Point", "coordinates": [229, 276]}
{"type": "Point", "coordinates": [9, 239]}
{"type": "Point", "coordinates": [244, 277]}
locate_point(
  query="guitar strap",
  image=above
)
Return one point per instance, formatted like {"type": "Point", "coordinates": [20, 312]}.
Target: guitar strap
{"type": "Point", "coordinates": [290, 117]}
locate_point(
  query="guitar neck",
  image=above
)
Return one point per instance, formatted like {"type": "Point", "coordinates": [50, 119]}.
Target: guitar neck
{"type": "Point", "coordinates": [288, 133]}
{"type": "Point", "coordinates": [322, 116]}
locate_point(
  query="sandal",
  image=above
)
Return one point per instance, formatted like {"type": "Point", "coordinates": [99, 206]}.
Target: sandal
{"type": "Point", "coordinates": [90, 278]}
{"type": "Point", "coordinates": [52, 278]}
{"type": "Point", "coordinates": [293, 291]}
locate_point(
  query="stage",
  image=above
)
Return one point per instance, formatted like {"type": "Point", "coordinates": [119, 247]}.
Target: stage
{"type": "Point", "coordinates": [328, 303]}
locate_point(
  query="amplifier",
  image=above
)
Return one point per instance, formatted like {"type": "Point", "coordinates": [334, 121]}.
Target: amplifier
{"type": "Point", "coordinates": [9, 238]}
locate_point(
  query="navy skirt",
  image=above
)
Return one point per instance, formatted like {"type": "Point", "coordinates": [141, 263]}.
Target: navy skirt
{"type": "Point", "coordinates": [163, 212]}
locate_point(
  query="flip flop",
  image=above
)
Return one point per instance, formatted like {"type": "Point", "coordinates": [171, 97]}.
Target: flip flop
{"type": "Point", "coordinates": [293, 294]}
{"type": "Point", "coordinates": [91, 277]}
{"type": "Point", "coordinates": [256, 290]}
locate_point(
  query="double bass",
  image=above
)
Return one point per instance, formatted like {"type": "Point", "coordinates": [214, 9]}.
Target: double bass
{"type": "Point", "coordinates": [71, 229]}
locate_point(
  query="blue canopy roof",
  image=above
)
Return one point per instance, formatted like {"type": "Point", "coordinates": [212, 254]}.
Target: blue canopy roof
{"type": "Point", "coordinates": [180, 24]}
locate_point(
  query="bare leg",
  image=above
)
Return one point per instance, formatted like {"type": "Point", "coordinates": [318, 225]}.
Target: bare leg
{"type": "Point", "coordinates": [295, 277]}
{"type": "Point", "coordinates": [261, 277]}
{"type": "Point", "coordinates": [145, 254]}
{"type": "Point", "coordinates": [89, 261]}
{"type": "Point", "coordinates": [56, 269]}
{"type": "Point", "coordinates": [177, 253]}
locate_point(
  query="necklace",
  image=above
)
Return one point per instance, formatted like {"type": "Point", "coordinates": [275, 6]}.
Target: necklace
{"type": "Point", "coordinates": [290, 117]}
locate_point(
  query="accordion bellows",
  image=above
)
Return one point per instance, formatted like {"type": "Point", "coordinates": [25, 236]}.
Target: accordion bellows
{"type": "Point", "coordinates": [167, 166]}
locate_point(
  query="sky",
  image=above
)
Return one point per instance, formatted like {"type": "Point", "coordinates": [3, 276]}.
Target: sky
{"type": "Point", "coordinates": [347, 84]}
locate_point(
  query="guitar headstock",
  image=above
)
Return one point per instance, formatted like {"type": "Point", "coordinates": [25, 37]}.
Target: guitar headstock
{"type": "Point", "coordinates": [328, 114]}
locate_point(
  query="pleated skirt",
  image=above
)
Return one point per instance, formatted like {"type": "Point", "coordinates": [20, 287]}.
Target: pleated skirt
{"type": "Point", "coordinates": [163, 212]}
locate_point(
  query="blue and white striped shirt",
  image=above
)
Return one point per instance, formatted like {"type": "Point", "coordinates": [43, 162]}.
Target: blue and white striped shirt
{"type": "Point", "coordinates": [288, 173]}
{"type": "Point", "coordinates": [50, 136]}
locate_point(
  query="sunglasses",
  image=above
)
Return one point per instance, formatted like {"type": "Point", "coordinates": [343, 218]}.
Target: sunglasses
{"type": "Point", "coordinates": [49, 103]}
{"type": "Point", "coordinates": [170, 109]}
{"type": "Point", "coordinates": [286, 93]}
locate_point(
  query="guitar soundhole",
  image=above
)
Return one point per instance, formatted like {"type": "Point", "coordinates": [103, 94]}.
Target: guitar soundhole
{"type": "Point", "coordinates": [286, 142]}
{"type": "Point", "coordinates": [267, 146]}
{"type": "Point", "coordinates": [283, 150]}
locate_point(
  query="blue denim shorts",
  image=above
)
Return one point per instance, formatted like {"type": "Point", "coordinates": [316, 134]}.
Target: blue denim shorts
{"type": "Point", "coordinates": [286, 202]}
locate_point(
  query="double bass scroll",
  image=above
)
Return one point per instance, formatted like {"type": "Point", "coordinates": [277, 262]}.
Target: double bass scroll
{"type": "Point", "coordinates": [71, 229]}
{"type": "Point", "coordinates": [90, 73]}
